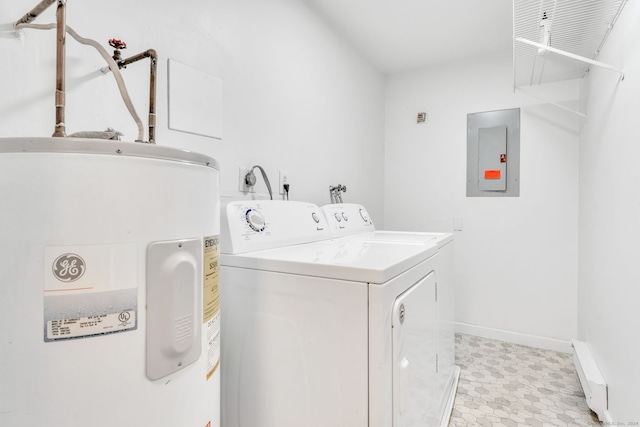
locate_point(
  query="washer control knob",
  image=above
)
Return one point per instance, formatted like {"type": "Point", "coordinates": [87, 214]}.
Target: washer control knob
{"type": "Point", "coordinates": [315, 217]}
{"type": "Point", "coordinates": [337, 217]}
{"type": "Point", "coordinates": [345, 216]}
{"type": "Point", "coordinates": [255, 220]}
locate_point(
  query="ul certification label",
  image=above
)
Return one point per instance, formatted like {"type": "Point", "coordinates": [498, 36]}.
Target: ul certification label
{"type": "Point", "coordinates": [211, 302]}
{"type": "Point", "coordinates": [89, 290]}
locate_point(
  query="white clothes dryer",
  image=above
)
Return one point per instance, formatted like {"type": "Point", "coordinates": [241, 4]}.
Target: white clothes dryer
{"type": "Point", "coordinates": [331, 332]}
{"type": "Point", "coordinates": [350, 221]}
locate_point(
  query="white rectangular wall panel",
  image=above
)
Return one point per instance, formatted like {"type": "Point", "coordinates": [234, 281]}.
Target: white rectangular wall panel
{"type": "Point", "coordinates": [195, 101]}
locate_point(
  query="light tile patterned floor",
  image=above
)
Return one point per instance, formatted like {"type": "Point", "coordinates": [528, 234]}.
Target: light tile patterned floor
{"type": "Point", "coordinates": [503, 384]}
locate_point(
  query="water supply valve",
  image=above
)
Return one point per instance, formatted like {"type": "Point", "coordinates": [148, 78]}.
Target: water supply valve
{"type": "Point", "coordinates": [336, 193]}
{"type": "Point", "coordinates": [118, 45]}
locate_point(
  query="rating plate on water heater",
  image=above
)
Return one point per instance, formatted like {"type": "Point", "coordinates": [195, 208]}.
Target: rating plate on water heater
{"type": "Point", "coordinates": [91, 325]}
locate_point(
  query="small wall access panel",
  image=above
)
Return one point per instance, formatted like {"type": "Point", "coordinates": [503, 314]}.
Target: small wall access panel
{"type": "Point", "coordinates": [195, 101]}
{"type": "Point", "coordinates": [493, 153]}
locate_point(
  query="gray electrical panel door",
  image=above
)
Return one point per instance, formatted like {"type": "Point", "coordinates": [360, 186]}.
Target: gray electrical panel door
{"type": "Point", "coordinates": [492, 163]}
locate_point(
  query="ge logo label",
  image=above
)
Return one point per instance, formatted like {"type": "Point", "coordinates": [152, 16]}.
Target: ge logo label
{"type": "Point", "coordinates": [68, 267]}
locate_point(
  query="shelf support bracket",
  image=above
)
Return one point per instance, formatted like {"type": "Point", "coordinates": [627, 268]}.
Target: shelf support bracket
{"type": "Point", "coordinates": [571, 55]}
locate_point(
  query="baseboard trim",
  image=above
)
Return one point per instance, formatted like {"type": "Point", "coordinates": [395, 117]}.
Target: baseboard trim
{"type": "Point", "coordinates": [515, 337]}
{"type": "Point", "coordinates": [451, 397]}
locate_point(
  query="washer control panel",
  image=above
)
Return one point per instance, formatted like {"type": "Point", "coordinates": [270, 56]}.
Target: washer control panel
{"type": "Point", "coordinates": [252, 225]}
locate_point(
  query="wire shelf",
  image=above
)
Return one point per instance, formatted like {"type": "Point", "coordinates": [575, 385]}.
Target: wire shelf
{"type": "Point", "coordinates": [575, 30]}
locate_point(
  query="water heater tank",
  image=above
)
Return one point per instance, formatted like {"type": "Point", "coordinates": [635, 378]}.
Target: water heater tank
{"type": "Point", "coordinates": [109, 308]}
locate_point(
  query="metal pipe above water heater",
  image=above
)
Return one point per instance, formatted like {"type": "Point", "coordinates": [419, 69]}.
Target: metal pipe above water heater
{"type": "Point", "coordinates": [61, 36]}
{"type": "Point", "coordinates": [153, 57]}
{"type": "Point", "coordinates": [60, 96]}
{"type": "Point", "coordinates": [35, 12]}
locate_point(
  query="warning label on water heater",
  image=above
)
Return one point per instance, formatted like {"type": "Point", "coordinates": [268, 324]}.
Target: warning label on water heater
{"type": "Point", "coordinates": [211, 302]}
{"type": "Point", "coordinates": [90, 290]}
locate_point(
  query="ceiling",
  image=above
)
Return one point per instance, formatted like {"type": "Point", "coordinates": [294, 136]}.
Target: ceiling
{"type": "Point", "coordinates": [403, 35]}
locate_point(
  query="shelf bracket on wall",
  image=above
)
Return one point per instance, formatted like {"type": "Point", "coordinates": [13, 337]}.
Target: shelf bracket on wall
{"type": "Point", "coordinates": [571, 55]}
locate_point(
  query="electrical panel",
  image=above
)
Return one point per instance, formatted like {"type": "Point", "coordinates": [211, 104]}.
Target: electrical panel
{"type": "Point", "coordinates": [493, 153]}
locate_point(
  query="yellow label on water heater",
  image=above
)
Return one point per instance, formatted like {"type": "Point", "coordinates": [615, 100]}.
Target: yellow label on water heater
{"type": "Point", "coordinates": [211, 282]}
{"type": "Point", "coordinates": [211, 302]}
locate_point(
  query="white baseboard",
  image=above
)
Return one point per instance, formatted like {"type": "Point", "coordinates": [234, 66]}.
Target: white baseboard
{"type": "Point", "coordinates": [451, 397]}
{"type": "Point", "coordinates": [515, 337]}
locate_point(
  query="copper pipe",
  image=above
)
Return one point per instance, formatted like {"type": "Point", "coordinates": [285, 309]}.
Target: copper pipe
{"type": "Point", "coordinates": [61, 19]}
{"type": "Point", "coordinates": [153, 56]}
{"type": "Point", "coordinates": [35, 12]}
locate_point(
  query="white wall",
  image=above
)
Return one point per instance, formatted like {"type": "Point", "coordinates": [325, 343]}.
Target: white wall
{"type": "Point", "coordinates": [516, 258]}
{"type": "Point", "coordinates": [296, 97]}
{"type": "Point", "coordinates": [609, 291]}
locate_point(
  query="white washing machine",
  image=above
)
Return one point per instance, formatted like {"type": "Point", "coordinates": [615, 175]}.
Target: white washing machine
{"type": "Point", "coordinates": [321, 331]}
{"type": "Point", "coordinates": [349, 221]}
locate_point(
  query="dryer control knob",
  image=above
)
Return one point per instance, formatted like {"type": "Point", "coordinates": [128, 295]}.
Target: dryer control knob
{"type": "Point", "coordinates": [337, 217]}
{"type": "Point", "coordinates": [315, 217]}
{"type": "Point", "coordinates": [345, 216]}
{"type": "Point", "coordinates": [255, 220]}
{"type": "Point", "coordinates": [364, 215]}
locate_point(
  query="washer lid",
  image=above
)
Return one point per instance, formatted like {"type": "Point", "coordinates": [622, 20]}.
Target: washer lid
{"type": "Point", "coordinates": [349, 259]}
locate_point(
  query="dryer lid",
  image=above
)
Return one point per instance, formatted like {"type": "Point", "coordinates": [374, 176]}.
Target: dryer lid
{"type": "Point", "coordinates": [343, 259]}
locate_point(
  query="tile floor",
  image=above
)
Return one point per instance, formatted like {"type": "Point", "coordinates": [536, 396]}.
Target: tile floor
{"type": "Point", "coordinates": [503, 384]}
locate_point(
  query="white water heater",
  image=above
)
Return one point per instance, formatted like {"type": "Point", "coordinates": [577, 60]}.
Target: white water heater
{"type": "Point", "coordinates": [109, 308]}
